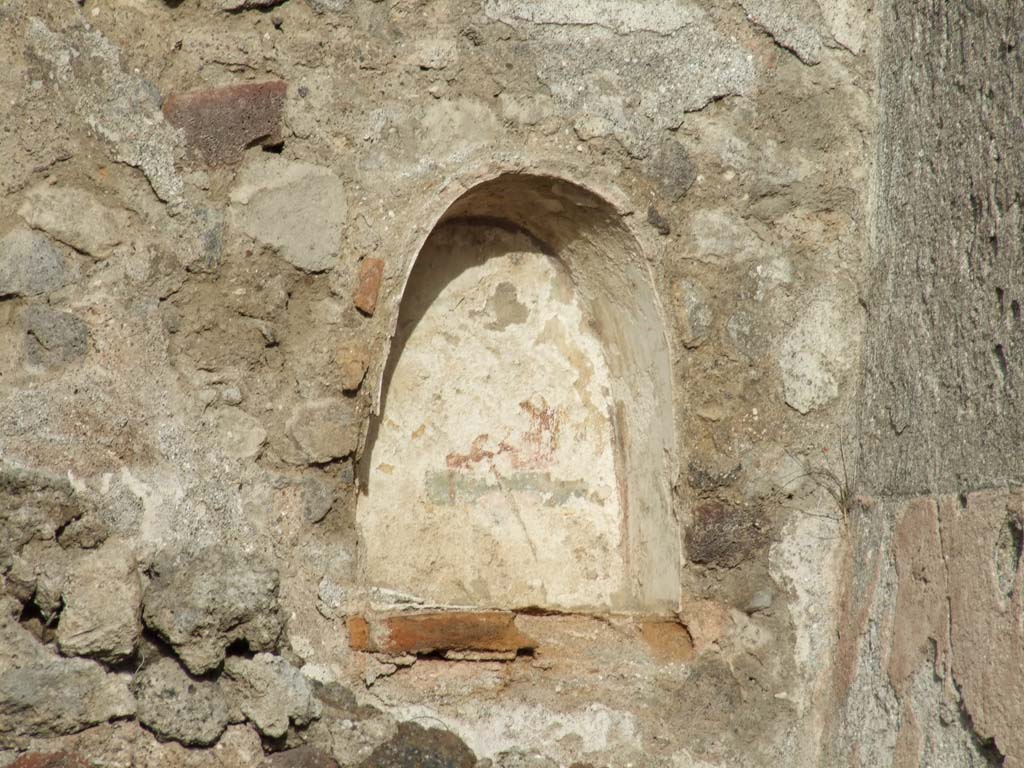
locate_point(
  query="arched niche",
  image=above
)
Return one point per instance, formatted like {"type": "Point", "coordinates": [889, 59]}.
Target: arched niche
{"type": "Point", "coordinates": [525, 460]}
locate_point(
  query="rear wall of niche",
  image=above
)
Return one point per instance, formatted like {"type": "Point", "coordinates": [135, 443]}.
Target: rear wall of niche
{"type": "Point", "coordinates": [524, 449]}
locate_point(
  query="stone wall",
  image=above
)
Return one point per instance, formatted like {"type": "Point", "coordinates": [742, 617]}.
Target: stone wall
{"type": "Point", "coordinates": [930, 661]}
{"type": "Point", "coordinates": [209, 212]}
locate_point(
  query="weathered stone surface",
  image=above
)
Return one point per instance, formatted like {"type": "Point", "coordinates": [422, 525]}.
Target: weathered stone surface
{"type": "Point", "coordinates": [417, 747]}
{"type": "Point", "coordinates": [203, 603]}
{"type": "Point", "coordinates": [53, 337]}
{"type": "Point", "coordinates": [270, 693]}
{"type": "Point", "coordinates": [297, 208]}
{"type": "Point", "coordinates": [796, 25]}
{"type": "Point", "coordinates": [74, 217]}
{"type": "Point", "coordinates": [370, 273]}
{"type": "Point", "coordinates": [324, 429]}
{"type": "Point", "coordinates": [432, 632]}
{"type": "Point", "coordinates": [302, 757]}
{"type": "Point", "coordinates": [724, 535]}
{"type": "Point", "coordinates": [121, 108]}
{"type": "Point", "coordinates": [31, 264]}
{"type": "Point", "coordinates": [221, 123]}
{"type": "Point", "coordinates": [176, 706]}
{"type": "Point", "coordinates": [102, 606]}
{"type": "Point", "coordinates": [51, 696]}
{"type": "Point", "coordinates": [942, 365]}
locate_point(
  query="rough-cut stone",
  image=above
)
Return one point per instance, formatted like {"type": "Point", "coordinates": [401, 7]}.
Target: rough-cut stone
{"type": "Point", "coordinates": [74, 217]}
{"type": "Point", "coordinates": [53, 337]}
{"type": "Point", "coordinates": [813, 356]}
{"type": "Point", "coordinates": [353, 358]}
{"type": "Point", "coordinates": [724, 535]}
{"type": "Point", "coordinates": [176, 706]}
{"type": "Point", "coordinates": [241, 435]}
{"type": "Point", "coordinates": [414, 746]}
{"type": "Point", "coordinates": [370, 273]}
{"type": "Point", "coordinates": [324, 429]}
{"type": "Point", "coordinates": [202, 604]}
{"type": "Point", "coordinates": [492, 631]}
{"type": "Point", "coordinates": [297, 208]}
{"type": "Point", "coordinates": [220, 123]}
{"type": "Point", "coordinates": [302, 757]}
{"type": "Point", "coordinates": [270, 693]}
{"type": "Point", "coordinates": [31, 264]}
{"type": "Point", "coordinates": [102, 606]}
{"type": "Point", "coordinates": [51, 696]}
{"type": "Point", "coordinates": [693, 311]}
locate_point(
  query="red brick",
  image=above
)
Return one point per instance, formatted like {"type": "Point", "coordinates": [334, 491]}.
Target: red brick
{"type": "Point", "coordinates": [49, 760]}
{"type": "Point", "coordinates": [220, 123]}
{"type": "Point", "coordinates": [370, 273]}
{"type": "Point", "coordinates": [437, 632]}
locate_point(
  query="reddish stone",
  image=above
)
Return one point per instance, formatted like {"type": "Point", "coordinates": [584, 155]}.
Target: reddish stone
{"type": "Point", "coordinates": [668, 640]}
{"type": "Point", "coordinates": [419, 633]}
{"type": "Point", "coordinates": [49, 760]}
{"type": "Point", "coordinates": [220, 123]}
{"type": "Point", "coordinates": [370, 273]}
{"type": "Point", "coordinates": [358, 633]}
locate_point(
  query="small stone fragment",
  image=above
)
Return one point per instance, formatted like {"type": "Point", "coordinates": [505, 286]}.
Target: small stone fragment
{"type": "Point", "coordinates": [271, 693]}
{"type": "Point", "coordinates": [30, 264]}
{"type": "Point", "coordinates": [659, 222]}
{"type": "Point", "coordinates": [73, 216]}
{"type": "Point", "coordinates": [353, 359]}
{"type": "Point", "coordinates": [221, 123]}
{"type": "Point", "coordinates": [414, 745]}
{"type": "Point", "coordinates": [102, 606]}
{"type": "Point", "coordinates": [317, 499]}
{"type": "Point", "coordinates": [297, 208]}
{"type": "Point", "coordinates": [724, 535]}
{"type": "Point", "coordinates": [53, 337]}
{"type": "Point", "coordinates": [370, 273]}
{"type": "Point", "coordinates": [176, 706]}
{"type": "Point", "coordinates": [759, 601]}
{"type": "Point", "coordinates": [203, 603]}
{"type": "Point", "coordinates": [324, 429]}
{"type": "Point", "coordinates": [693, 311]}
{"type": "Point", "coordinates": [52, 696]}
{"type": "Point", "coordinates": [302, 757]}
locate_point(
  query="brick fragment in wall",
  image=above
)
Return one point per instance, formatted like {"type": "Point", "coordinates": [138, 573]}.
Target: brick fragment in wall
{"type": "Point", "coordinates": [421, 633]}
{"type": "Point", "coordinates": [370, 273]}
{"type": "Point", "coordinates": [49, 760]}
{"type": "Point", "coordinates": [220, 123]}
